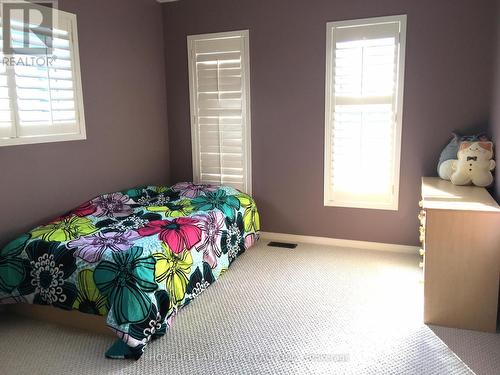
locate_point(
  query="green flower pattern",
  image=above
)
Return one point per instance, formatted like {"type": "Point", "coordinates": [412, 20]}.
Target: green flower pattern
{"type": "Point", "coordinates": [136, 256]}
{"type": "Point", "coordinates": [126, 281]}
{"type": "Point", "coordinates": [12, 268]}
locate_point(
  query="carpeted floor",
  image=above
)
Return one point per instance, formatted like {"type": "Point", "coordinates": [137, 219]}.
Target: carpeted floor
{"type": "Point", "coordinates": [479, 350]}
{"type": "Point", "coordinates": [311, 310]}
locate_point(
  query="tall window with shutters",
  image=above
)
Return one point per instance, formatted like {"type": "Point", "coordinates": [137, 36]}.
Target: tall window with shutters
{"type": "Point", "coordinates": [41, 98]}
{"type": "Point", "coordinates": [364, 101]}
{"type": "Point", "coordinates": [220, 108]}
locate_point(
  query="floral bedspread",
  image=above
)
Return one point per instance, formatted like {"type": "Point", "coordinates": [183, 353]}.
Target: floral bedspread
{"type": "Point", "coordinates": [136, 256]}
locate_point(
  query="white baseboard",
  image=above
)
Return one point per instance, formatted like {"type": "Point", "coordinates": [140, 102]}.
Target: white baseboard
{"type": "Point", "coordinates": [325, 241]}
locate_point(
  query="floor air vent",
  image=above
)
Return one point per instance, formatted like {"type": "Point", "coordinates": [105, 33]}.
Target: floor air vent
{"type": "Point", "coordinates": [286, 245]}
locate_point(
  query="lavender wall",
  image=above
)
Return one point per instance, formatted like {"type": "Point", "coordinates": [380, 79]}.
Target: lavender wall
{"type": "Point", "coordinates": [496, 106]}
{"type": "Point", "coordinates": [449, 65]}
{"type": "Point", "coordinates": [123, 73]}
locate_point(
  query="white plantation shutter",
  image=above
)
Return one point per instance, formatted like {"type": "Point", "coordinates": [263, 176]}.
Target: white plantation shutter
{"type": "Point", "coordinates": [44, 100]}
{"type": "Point", "coordinates": [363, 112]}
{"type": "Point", "coordinates": [7, 129]}
{"type": "Point", "coordinates": [7, 120]}
{"type": "Point", "coordinates": [219, 86]}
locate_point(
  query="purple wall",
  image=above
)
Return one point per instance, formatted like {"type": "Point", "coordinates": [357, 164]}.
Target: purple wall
{"type": "Point", "coordinates": [449, 66]}
{"type": "Point", "coordinates": [123, 73]}
{"type": "Point", "coordinates": [496, 107]}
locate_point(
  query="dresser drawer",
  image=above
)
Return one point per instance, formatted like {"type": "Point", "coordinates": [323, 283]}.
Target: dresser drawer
{"type": "Point", "coordinates": [459, 235]}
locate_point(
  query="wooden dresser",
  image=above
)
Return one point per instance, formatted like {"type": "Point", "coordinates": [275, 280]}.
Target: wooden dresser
{"type": "Point", "coordinates": [460, 235]}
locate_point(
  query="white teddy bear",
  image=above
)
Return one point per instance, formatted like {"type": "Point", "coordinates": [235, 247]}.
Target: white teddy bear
{"type": "Point", "coordinates": [474, 164]}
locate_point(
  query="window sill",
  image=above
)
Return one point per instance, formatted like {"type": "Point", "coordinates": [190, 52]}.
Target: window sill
{"type": "Point", "coordinates": [363, 205]}
{"type": "Point", "coordinates": [42, 139]}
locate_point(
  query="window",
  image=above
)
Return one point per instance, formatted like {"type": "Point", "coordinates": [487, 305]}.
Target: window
{"type": "Point", "coordinates": [220, 108]}
{"type": "Point", "coordinates": [364, 101]}
{"type": "Point", "coordinates": [41, 96]}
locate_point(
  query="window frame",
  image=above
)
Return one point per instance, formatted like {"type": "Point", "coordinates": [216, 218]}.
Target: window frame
{"type": "Point", "coordinates": [328, 198]}
{"type": "Point", "coordinates": [78, 92]}
{"type": "Point", "coordinates": [246, 108]}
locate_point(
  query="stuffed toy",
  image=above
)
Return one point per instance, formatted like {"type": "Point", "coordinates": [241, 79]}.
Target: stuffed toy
{"type": "Point", "coordinates": [474, 164]}
{"type": "Point", "coordinates": [449, 154]}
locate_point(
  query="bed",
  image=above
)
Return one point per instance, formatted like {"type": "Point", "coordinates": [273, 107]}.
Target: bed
{"type": "Point", "coordinates": [135, 257]}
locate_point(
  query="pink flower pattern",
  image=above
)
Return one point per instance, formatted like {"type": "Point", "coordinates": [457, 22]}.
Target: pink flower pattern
{"type": "Point", "coordinates": [250, 240]}
{"type": "Point", "coordinates": [192, 190]}
{"type": "Point", "coordinates": [179, 234]}
{"type": "Point", "coordinates": [92, 248]}
{"type": "Point", "coordinates": [211, 226]}
{"type": "Point", "coordinates": [114, 205]}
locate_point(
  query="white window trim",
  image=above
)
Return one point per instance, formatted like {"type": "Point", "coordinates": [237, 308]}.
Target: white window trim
{"type": "Point", "coordinates": [330, 26]}
{"type": "Point", "coordinates": [246, 112]}
{"type": "Point", "coordinates": [81, 134]}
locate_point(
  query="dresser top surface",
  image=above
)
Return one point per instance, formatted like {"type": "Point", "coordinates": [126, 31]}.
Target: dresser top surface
{"type": "Point", "coordinates": [443, 195]}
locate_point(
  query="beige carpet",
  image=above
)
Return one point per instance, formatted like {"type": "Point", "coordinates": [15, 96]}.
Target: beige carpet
{"type": "Point", "coordinates": [481, 351]}
{"type": "Point", "coordinates": [311, 310]}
